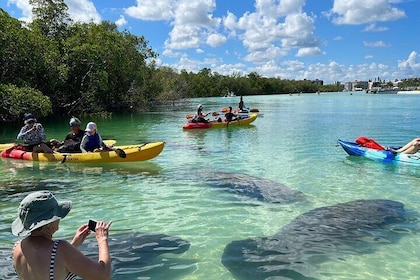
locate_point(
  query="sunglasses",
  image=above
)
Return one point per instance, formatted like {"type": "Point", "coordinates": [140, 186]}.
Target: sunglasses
{"type": "Point", "coordinates": [74, 125]}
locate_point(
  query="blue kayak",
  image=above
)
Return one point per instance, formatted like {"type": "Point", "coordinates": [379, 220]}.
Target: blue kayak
{"type": "Point", "coordinates": [355, 149]}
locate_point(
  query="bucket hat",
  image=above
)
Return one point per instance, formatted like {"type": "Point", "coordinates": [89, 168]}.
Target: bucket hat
{"type": "Point", "coordinates": [38, 209]}
{"type": "Point", "coordinates": [90, 126]}
{"type": "Point", "coordinates": [74, 121]}
{"type": "Point", "coordinates": [28, 118]}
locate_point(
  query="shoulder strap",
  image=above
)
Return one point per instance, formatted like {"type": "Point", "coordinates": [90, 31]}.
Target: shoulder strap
{"type": "Point", "coordinates": [52, 258]}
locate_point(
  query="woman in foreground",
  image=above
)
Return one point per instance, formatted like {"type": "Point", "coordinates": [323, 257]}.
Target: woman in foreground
{"type": "Point", "coordinates": [38, 256]}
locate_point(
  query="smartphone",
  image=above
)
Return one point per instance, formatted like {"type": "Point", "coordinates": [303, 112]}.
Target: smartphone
{"type": "Point", "coordinates": [92, 225]}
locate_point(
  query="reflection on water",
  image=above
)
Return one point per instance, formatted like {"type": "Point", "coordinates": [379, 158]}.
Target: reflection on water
{"type": "Point", "coordinates": [209, 187]}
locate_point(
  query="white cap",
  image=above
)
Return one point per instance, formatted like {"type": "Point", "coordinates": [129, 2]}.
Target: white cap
{"type": "Point", "coordinates": [90, 126]}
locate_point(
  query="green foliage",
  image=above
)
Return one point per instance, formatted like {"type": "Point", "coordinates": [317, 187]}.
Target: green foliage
{"type": "Point", "coordinates": [16, 101]}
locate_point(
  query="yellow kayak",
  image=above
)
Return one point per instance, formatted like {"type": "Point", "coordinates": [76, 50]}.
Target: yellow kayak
{"type": "Point", "coordinates": [215, 124]}
{"type": "Point", "coordinates": [132, 153]}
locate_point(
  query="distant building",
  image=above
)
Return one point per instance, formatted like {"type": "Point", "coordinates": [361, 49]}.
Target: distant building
{"type": "Point", "coordinates": [356, 86]}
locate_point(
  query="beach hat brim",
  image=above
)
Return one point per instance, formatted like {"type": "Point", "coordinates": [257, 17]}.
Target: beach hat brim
{"type": "Point", "coordinates": [62, 209]}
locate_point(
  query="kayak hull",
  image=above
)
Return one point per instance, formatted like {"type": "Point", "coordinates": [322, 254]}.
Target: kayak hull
{"type": "Point", "coordinates": [216, 124]}
{"type": "Point", "coordinates": [133, 153]}
{"type": "Point", "coordinates": [384, 156]}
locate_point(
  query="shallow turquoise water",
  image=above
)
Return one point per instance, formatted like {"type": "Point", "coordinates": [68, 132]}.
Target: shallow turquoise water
{"type": "Point", "coordinates": [293, 143]}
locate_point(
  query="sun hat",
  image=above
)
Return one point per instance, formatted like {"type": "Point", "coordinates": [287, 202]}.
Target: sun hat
{"type": "Point", "coordinates": [74, 121]}
{"type": "Point", "coordinates": [28, 118]}
{"type": "Point", "coordinates": [38, 209]}
{"type": "Point", "coordinates": [90, 126]}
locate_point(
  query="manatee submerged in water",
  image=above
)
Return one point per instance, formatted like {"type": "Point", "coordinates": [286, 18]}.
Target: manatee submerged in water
{"type": "Point", "coordinates": [254, 187]}
{"type": "Point", "coordinates": [136, 255]}
{"type": "Point", "coordinates": [320, 235]}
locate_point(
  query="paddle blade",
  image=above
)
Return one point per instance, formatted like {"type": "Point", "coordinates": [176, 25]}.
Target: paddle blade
{"type": "Point", "coordinates": [121, 153]}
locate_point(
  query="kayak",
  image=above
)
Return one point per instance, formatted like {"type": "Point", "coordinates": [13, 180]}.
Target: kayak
{"type": "Point", "coordinates": [355, 149]}
{"type": "Point", "coordinates": [140, 152]}
{"type": "Point", "coordinates": [216, 124]}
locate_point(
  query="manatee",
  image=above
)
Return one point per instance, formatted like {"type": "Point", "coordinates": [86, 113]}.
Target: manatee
{"type": "Point", "coordinates": [320, 235]}
{"type": "Point", "coordinates": [136, 254]}
{"type": "Point", "coordinates": [254, 187]}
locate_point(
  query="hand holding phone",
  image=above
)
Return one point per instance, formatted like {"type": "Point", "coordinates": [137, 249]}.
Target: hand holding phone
{"type": "Point", "coordinates": [92, 225]}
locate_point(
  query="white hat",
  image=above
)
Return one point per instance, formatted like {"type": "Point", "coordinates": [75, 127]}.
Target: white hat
{"type": "Point", "coordinates": [90, 126]}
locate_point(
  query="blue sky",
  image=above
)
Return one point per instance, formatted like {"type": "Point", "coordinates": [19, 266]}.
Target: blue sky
{"type": "Point", "coordinates": [334, 40]}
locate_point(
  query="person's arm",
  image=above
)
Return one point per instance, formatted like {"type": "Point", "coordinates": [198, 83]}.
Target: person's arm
{"type": "Point", "coordinates": [85, 267]}
{"type": "Point", "coordinates": [41, 131]}
{"type": "Point", "coordinates": [85, 139]}
{"type": "Point", "coordinates": [80, 236]}
{"type": "Point", "coordinates": [23, 131]}
{"type": "Point", "coordinates": [102, 143]}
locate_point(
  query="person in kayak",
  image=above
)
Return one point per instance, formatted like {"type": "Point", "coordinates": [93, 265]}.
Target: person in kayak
{"type": "Point", "coordinates": [33, 136]}
{"type": "Point", "coordinates": [38, 256]}
{"type": "Point", "coordinates": [200, 116]}
{"type": "Point", "coordinates": [92, 140]}
{"type": "Point", "coordinates": [230, 116]}
{"type": "Point", "coordinates": [73, 139]}
{"type": "Point", "coordinates": [411, 147]}
{"type": "Point", "coordinates": [241, 105]}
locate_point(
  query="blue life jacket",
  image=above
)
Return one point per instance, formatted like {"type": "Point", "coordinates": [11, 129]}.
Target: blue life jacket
{"type": "Point", "coordinates": [93, 142]}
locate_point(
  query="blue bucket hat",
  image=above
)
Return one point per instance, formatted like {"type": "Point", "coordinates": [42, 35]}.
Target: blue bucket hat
{"type": "Point", "coordinates": [38, 209]}
{"type": "Point", "coordinates": [28, 118]}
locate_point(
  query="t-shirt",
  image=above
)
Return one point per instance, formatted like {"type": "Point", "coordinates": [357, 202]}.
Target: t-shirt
{"type": "Point", "coordinates": [75, 137]}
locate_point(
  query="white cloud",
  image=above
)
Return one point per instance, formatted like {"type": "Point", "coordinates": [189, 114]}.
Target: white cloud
{"type": "Point", "coordinates": [364, 11]}
{"type": "Point", "coordinates": [83, 10]}
{"type": "Point", "coordinates": [192, 21]}
{"type": "Point", "coordinates": [216, 40]}
{"type": "Point", "coordinates": [410, 66]}
{"type": "Point", "coordinates": [121, 21]}
{"type": "Point", "coordinates": [373, 28]}
{"type": "Point", "coordinates": [376, 44]}
{"type": "Point", "coordinates": [79, 10]}
{"type": "Point", "coordinates": [152, 10]}
{"type": "Point", "coordinates": [25, 7]}
{"type": "Point", "coordinates": [309, 52]}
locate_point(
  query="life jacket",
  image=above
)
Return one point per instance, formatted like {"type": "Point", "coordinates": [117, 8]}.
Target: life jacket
{"type": "Point", "coordinates": [93, 142]}
{"type": "Point", "coordinates": [369, 143]}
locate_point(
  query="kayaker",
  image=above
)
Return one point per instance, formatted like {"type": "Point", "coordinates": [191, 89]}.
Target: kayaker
{"type": "Point", "coordinates": [33, 136]}
{"type": "Point", "coordinates": [92, 140]}
{"type": "Point", "coordinates": [38, 256]}
{"type": "Point", "coordinates": [200, 116]}
{"type": "Point", "coordinates": [74, 138]}
{"type": "Point", "coordinates": [230, 116]}
{"type": "Point", "coordinates": [241, 105]}
{"type": "Point", "coordinates": [411, 147]}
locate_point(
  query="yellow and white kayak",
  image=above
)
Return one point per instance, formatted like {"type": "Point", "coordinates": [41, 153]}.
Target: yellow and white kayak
{"type": "Point", "coordinates": [215, 124]}
{"type": "Point", "coordinates": [139, 152]}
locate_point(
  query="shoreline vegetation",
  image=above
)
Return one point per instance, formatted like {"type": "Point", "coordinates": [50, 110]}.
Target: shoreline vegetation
{"type": "Point", "coordinates": [56, 67]}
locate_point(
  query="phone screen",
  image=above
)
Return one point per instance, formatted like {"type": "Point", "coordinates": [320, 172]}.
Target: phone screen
{"type": "Point", "coordinates": [92, 225]}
